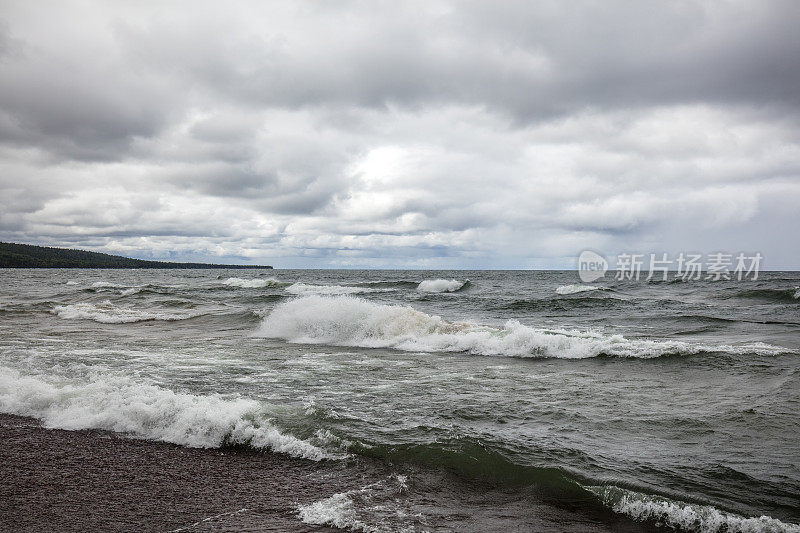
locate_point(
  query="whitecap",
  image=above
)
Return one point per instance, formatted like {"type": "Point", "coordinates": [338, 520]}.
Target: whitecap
{"type": "Point", "coordinates": [120, 404]}
{"type": "Point", "coordinates": [350, 321]}
{"type": "Point", "coordinates": [253, 283]}
{"type": "Point", "coordinates": [303, 289]}
{"type": "Point", "coordinates": [108, 313]}
{"type": "Point", "coordinates": [574, 289]}
{"type": "Point", "coordinates": [441, 285]}
{"type": "Point", "coordinates": [684, 516]}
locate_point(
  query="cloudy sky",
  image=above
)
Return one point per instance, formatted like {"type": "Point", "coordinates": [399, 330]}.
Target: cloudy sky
{"type": "Point", "coordinates": [401, 134]}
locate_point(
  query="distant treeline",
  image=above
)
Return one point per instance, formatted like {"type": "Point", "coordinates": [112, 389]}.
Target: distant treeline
{"type": "Point", "coordinates": [29, 256]}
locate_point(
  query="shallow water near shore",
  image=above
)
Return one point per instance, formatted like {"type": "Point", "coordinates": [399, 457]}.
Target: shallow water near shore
{"type": "Point", "coordinates": [620, 405]}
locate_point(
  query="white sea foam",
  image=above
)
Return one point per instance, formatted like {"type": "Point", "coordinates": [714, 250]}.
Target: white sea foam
{"type": "Point", "coordinates": [253, 283]}
{"type": "Point", "coordinates": [350, 321]}
{"type": "Point", "coordinates": [684, 516]}
{"type": "Point", "coordinates": [338, 511]}
{"type": "Point", "coordinates": [108, 313]}
{"type": "Point", "coordinates": [574, 289]}
{"type": "Point", "coordinates": [375, 508]}
{"type": "Point", "coordinates": [441, 285]}
{"type": "Point", "coordinates": [147, 411]}
{"type": "Point", "coordinates": [797, 293]}
{"type": "Point", "coordinates": [72, 282]}
{"type": "Point", "coordinates": [303, 289]}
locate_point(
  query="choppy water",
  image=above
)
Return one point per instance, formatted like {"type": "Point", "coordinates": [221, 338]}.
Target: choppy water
{"type": "Point", "coordinates": [661, 404]}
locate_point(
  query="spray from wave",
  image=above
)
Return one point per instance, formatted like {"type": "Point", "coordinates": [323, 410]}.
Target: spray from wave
{"type": "Point", "coordinates": [349, 321]}
{"type": "Point", "coordinates": [147, 411]}
{"type": "Point", "coordinates": [108, 313]}
{"type": "Point", "coordinates": [442, 285]}
{"type": "Point", "coordinates": [684, 516]}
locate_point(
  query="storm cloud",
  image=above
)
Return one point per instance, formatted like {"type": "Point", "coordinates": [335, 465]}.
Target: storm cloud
{"type": "Point", "coordinates": [415, 134]}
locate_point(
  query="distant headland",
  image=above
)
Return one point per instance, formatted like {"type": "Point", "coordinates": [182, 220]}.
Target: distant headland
{"type": "Point", "coordinates": [28, 256]}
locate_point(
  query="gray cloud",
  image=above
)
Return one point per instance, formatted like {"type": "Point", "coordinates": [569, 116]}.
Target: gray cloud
{"type": "Point", "coordinates": [528, 61]}
{"type": "Point", "coordinates": [383, 134]}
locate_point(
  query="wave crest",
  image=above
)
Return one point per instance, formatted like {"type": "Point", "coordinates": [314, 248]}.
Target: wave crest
{"type": "Point", "coordinates": [778, 295]}
{"type": "Point", "coordinates": [349, 321]}
{"type": "Point", "coordinates": [442, 285]}
{"type": "Point", "coordinates": [146, 411]}
{"type": "Point", "coordinates": [574, 289]}
{"type": "Point", "coordinates": [253, 283]}
{"type": "Point", "coordinates": [303, 289]}
{"type": "Point", "coordinates": [684, 516]}
{"type": "Point", "coordinates": [108, 313]}
{"type": "Point", "coordinates": [392, 284]}
{"type": "Point", "coordinates": [105, 285]}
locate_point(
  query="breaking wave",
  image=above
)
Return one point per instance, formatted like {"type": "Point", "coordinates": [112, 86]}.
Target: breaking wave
{"type": "Point", "coordinates": [147, 411]}
{"type": "Point", "coordinates": [349, 321]}
{"type": "Point", "coordinates": [254, 283]}
{"type": "Point", "coordinates": [574, 289]}
{"type": "Point", "coordinates": [108, 313]}
{"type": "Point", "coordinates": [684, 516]}
{"type": "Point", "coordinates": [442, 285]}
{"type": "Point", "coordinates": [303, 289]}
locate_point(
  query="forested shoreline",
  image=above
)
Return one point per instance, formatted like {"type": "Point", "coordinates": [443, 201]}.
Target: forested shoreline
{"type": "Point", "coordinates": [14, 255]}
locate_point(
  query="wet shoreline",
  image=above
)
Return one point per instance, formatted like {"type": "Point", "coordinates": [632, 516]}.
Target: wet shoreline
{"type": "Point", "coordinates": [95, 480]}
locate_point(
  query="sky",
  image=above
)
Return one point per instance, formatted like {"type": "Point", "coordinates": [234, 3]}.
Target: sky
{"type": "Point", "coordinates": [337, 134]}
